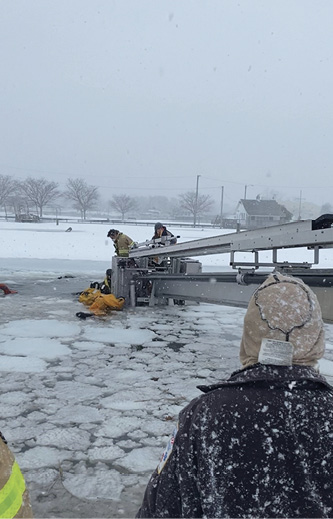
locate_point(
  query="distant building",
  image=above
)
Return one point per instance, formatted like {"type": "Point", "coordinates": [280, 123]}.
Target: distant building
{"type": "Point", "coordinates": [253, 214]}
{"type": "Point", "coordinates": [151, 214]}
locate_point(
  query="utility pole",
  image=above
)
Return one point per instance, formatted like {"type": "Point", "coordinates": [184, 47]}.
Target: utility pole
{"type": "Point", "coordinates": [300, 205]}
{"type": "Point", "coordinates": [221, 212]}
{"type": "Point", "coordinates": [196, 202]}
{"type": "Point", "coordinates": [245, 189]}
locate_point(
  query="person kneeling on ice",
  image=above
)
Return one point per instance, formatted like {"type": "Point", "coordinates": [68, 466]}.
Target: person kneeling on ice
{"type": "Point", "coordinates": [259, 444]}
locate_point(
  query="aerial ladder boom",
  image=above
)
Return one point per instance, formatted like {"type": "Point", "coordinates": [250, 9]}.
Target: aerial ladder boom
{"type": "Point", "coordinates": [305, 233]}
{"type": "Point", "coordinates": [181, 278]}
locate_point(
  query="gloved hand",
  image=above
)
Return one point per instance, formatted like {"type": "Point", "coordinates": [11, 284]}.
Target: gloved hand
{"type": "Point", "coordinates": [84, 315]}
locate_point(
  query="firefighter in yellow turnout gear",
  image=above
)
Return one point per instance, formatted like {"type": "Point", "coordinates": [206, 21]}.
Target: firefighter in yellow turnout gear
{"type": "Point", "coordinates": [121, 242]}
{"type": "Point", "coordinates": [14, 498]}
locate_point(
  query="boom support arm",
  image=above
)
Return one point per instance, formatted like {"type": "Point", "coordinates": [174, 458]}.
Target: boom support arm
{"type": "Point", "coordinates": [313, 234]}
{"type": "Point", "coordinates": [183, 280]}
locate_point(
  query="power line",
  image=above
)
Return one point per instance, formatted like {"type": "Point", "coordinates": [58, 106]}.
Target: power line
{"type": "Point", "coordinates": [114, 179]}
{"type": "Point", "coordinates": [280, 186]}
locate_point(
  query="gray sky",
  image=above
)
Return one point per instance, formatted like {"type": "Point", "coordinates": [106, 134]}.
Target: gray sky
{"type": "Point", "coordinates": [141, 96]}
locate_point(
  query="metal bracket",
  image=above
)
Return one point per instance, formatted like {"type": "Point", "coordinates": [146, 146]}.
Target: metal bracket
{"type": "Point", "coordinates": [274, 263]}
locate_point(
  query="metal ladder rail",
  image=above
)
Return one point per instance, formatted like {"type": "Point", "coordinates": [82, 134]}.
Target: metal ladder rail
{"type": "Point", "coordinates": [313, 234]}
{"type": "Point", "coordinates": [229, 288]}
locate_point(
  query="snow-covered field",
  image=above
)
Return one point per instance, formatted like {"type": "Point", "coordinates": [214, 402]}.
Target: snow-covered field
{"type": "Point", "coordinates": [87, 406]}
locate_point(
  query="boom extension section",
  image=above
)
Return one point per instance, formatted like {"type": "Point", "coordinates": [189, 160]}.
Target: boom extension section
{"type": "Point", "coordinates": [313, 234]}
{"type": "Point", "coordinates": [177, 278]}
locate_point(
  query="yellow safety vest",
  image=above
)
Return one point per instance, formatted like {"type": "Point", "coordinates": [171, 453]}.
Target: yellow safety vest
{"type": "Point", "coordinates": [14, 499]}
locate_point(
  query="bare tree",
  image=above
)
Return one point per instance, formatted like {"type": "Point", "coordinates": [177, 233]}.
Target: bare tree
{"type": "Point", "coordinates": [123, 204]}
{"type": "Point", "coordinates": [39, 192]}
{"type": "Point", "coordinates": [326, 208]}
{"type": "Point", "coordinates": [195, 204]}
{"type": "Point", "coordinates": [19, 203]}
{"type": "Point", "coordinates": [8, 186]}
{"type": "Point", "coordinates": [83, 195]}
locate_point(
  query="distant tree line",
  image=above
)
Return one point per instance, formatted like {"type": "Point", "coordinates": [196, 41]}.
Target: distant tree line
{"type": "Point", "coordinates": [37, 193]}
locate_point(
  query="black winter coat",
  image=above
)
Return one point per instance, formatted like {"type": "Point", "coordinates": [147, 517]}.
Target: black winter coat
{"type": "Point", "coordinates": [257, 445]}
{"type": "Point", "coordinates": [166, 235]}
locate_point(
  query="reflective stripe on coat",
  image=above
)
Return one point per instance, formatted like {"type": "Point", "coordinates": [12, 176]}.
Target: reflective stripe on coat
{"type": "Point", "coordinates": [122, 244]}
{"type": "Point", "coordinates": [14, 498]}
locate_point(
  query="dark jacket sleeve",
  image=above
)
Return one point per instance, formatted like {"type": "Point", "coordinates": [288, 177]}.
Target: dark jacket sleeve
{"type": "Point", "coordinates": [174, 481]}
{"type": "Point", "coordinates": [162, 495]}
{"type": "Point", "coordinates": [171, 237]}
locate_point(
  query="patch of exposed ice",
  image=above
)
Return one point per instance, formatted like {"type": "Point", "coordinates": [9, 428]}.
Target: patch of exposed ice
{"type": "Point", "coordinates": [326, 367]}
{"type": "Point", "coordinates": [40, 328]}
{"type": "Point", "coordinates": [120, 426]}
{"type": "Point", "coordinates": [123, 401]}
{"type": "Point", "coordinates": [41, 348]}
{"type": "Point", "coordinates": [73, 391]}
{"type": "Point", "coordinates": [22, 364]}
{"type": "Point", "coordinates": [106, 453]}
{"type": "Point", "coordinates": [44, 477]}
{"type": "Point", "coordinates": [112, 335]}
{"type": "Point", "coordinates": [70, 438]}
{"type": "Point", "coordinates": [77, 414]}
{"type": "Point", "coordinates": [38, 457]}
{"type": "Point", "coordinates": [141, 460]}
{"type": "Point", "coordinates": [94, 483]}
{"type": "Point", "coordinates": [88, 345]}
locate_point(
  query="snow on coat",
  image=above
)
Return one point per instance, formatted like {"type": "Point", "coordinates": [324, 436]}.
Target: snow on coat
{"type": "Point", "coordinates": [257, 445]}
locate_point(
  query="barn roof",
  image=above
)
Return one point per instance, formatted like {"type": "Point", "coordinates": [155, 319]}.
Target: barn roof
{"type": "Point", "coordinates": [264, 208]}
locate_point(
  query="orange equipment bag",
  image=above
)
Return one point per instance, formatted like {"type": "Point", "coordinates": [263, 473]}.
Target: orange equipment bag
{"type": "Point", "coordinates": [106, 302]}
{"type": "Point", "coordinates": [88, 296]}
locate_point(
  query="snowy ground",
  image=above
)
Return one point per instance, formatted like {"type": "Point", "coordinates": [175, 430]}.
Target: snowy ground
{"type": "Point", "coordinates": [87, 406]}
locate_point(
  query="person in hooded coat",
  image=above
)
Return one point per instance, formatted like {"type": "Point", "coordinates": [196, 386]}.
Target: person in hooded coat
{"type": "Point", "coordinates": [162, 235]}
{"type": "Point", "coordinates": [259, 444]}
